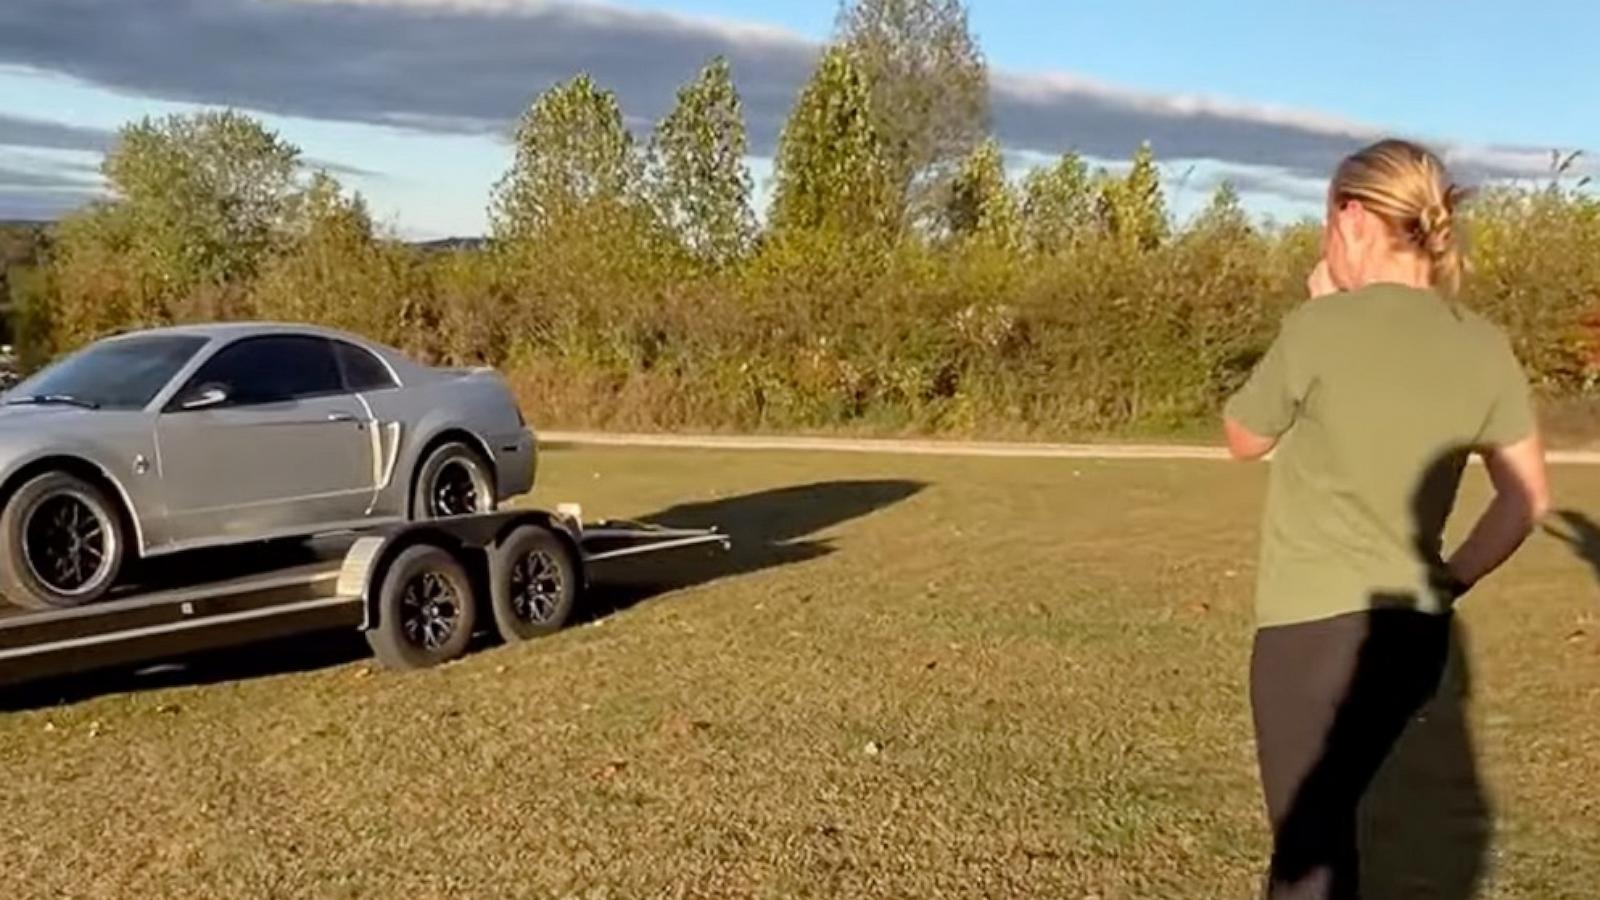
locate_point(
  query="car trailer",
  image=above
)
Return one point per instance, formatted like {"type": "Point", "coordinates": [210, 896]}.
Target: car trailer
{"type": "Point", "coordinates": [419, 592]}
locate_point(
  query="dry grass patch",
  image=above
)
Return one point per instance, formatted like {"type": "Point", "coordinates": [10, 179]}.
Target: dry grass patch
{"type": "Point", "coordinates": [913, 678]}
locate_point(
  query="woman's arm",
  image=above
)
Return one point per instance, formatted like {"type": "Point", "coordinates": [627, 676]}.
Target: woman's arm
{"type": "Point", "coordinates": [1522, 498]}
{"type": "Point", "coordinates": [1270, 399]}
{"type": "Point", "coordinates": [1244, 444]}
{"type": "Point", "coordinates": [1266, 406]}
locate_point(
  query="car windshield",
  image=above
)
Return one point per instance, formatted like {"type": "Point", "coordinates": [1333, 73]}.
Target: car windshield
{"type": "Point", "coordinates": [121, 373]}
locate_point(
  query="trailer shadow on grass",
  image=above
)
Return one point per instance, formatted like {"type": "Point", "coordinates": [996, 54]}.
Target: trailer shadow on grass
{"type": "Point", "coordinates": [769, 529]}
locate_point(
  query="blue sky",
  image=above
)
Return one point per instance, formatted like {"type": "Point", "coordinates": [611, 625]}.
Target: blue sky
{"type": "Point", "coordinates": [409, 101]}
{"type": "Point", "coordinates": [1489, 72]}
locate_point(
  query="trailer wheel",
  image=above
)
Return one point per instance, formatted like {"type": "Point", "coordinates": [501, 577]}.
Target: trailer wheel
{"type": "Point", "coordinates": [62, 543]}
{"type": "Point", "coordinates": [533, 584]}
{"type": "Point", "coordinates": [426, 610]}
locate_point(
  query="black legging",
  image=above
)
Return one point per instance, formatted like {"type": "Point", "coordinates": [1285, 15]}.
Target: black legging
{"type": "Point", "coordinates": [1331, 698]}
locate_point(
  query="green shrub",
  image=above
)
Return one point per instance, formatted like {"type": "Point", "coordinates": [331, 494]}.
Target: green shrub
{"type": "Point", "coordinates": [1070, 306]}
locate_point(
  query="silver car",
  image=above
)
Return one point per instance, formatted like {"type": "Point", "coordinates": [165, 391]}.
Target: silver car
{"type": "Point", "coordinates": [173, 439]}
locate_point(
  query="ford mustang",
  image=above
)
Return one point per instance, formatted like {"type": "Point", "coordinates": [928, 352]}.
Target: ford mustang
{"type": "Point", "coordinates": [153, 442]}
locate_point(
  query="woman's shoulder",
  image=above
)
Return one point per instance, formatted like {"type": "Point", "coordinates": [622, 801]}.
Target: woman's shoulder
{"type": "Point", "coordinates": [1314, 312]}
{"type": "Point", "coordinates": [1480, 328]}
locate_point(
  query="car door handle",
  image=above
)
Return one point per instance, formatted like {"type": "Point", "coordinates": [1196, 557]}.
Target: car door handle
{"type": "Point", "coordinates": [341, 417]}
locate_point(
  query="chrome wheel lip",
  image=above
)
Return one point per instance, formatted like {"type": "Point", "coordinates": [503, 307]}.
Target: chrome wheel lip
{"type": "Point", "coordinates": [109, 543]}
{"type": "Point", "coordinates": [537, 585]}
{"type": "Point", "coordinates": [455, 478]}
{"type": "Point", "coordinates": [430, 610]}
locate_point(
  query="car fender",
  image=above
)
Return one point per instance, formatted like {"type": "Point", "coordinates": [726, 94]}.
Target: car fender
{"type": "Point", "coordinates": [136, 490]}
{"type": "Point", "coordinates": [430, 430]}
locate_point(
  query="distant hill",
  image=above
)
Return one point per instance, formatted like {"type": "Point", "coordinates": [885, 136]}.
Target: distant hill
{"type": "Point", "coordinates": [19, 239]}
{"type": "Point", "coordinates": [452, 243]}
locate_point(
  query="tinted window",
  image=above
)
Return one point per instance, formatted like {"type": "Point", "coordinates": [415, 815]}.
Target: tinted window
{"type": "Point", "coordinates": [362, 370]}
{"type": "Point", "coordinates": [120, 373]}
{"type": "Point", "coordinates": [272, 370]}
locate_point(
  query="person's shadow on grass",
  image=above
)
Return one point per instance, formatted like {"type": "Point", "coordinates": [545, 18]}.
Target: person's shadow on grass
{"type": "Point", "coordinates": [769, 529]}
{"type": "Point", "coordinates": [1582, 535]}
{"type": "Point", "coordinates": [1427, 824]}
{"type": "Point", "coordinates": [1424, 826]}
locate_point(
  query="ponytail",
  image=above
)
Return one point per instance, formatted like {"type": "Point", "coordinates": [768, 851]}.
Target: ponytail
{"type": "Point", "coordinates": [1407, 186]}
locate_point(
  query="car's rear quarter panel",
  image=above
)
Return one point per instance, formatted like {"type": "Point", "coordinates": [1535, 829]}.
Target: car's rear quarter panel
{"type": "Point", "coordinates": [441, 403]}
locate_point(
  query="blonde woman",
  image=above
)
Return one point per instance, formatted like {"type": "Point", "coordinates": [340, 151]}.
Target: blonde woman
{"type": "Point", "coordinates": [1374, 395]}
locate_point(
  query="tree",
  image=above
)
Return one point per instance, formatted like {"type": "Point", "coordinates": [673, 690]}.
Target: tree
{"type": "Point", "coordinates": [199, 203]}
{"type": "Point", "coordinates": [575, 165]}
{"type": "Point", "coordinates": [1224, 214]}
{"type": "Point", "coordinates": [22, 247]}
{"type": "Point", "coordinates": [32, 292]}
{"type": "Point", "coordinates": [1133, 208]}
{"type": "Point", "coordinates": [697, 175]}
{"type": "Point", "coordinates": [831, 169]}
{"type": "Point", "coordinates": [1058, 206]}
{"type": "Point", "coordinates": [201, 197]}
{"type": "Point", "coordinates": [324, 211]}
{"type": "Point", "coordinates": [336, 272]}
{"type": "Point", "coordinates": [930, 91]}
{"type": "Point", "coordinates": [982, 203]}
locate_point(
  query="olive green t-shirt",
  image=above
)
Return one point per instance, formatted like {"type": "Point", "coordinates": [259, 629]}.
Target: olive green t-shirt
{"type": "Point", "coordinates": [1378, 397]}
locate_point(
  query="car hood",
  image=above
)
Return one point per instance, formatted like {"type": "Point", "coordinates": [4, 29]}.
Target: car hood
{"type": "Point", "coordinates": [43, 421]}
{"type": "Point", "coordinates": [26, 416]}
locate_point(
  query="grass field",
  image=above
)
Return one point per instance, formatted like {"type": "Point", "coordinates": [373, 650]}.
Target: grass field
{"type": "Point", "coordinates": [915, 677]}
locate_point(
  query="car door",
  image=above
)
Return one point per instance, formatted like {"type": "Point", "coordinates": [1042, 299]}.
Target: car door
{"type": "Point", "coordinates": [370, 378]}
{"type": "Point", "coordinates": [284, 448]}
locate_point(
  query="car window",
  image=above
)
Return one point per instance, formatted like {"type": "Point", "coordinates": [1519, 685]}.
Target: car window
{"type": "Point", "coordinates": [273, 369]}
{"type": "Point", "coordinates": [362, 371]}
{"type": "Point", "coordinates": [118, 373]}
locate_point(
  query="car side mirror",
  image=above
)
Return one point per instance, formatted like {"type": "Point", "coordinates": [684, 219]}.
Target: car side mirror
{"type": "Point", "coordinates": [206, 397]}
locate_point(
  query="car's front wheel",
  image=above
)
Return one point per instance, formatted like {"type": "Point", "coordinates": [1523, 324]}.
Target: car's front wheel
{"type": "Point", "coordinates": [454, 480]}
{"type": "Point", "coordinates": [62, 543]}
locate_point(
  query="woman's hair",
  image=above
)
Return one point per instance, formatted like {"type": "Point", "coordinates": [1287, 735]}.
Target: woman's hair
{"type": "Point", "coordinates": [1407, 187]}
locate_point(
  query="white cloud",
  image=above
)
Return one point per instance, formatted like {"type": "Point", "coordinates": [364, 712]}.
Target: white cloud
{"type": "Point", "coordinates": [25, 131]}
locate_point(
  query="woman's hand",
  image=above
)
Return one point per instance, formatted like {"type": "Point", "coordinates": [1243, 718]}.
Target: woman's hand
{"type": "Point", "coordinates": [1521, 500]}
{"type": "Point", "coordinates": [1320, 284]}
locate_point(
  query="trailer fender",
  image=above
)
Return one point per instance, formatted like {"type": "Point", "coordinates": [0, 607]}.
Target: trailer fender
{"type": "Point", "coordinates": [358, 576]}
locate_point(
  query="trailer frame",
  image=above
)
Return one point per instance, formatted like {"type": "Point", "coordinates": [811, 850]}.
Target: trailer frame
{"type": "Point", "coordinates": [350, 591]}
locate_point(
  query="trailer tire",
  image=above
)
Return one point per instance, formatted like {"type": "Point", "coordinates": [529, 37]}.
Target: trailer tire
{"type": "Point", "coordinates": [426, 610]}
{"type": "Point", "coordinates": [533, 584]}
{"type": "Point", "coordinates": [65, 518]}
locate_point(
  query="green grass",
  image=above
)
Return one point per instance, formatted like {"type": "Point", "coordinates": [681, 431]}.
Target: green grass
{"type": "Point", "coordinates": [916, 677]}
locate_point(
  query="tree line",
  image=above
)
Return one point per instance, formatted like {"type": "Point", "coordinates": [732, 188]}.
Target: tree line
{"type": "Point", "coordinates": [898, 281]}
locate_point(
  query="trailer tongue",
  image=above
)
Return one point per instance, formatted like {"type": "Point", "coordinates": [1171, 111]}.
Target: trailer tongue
{"type": "Point", "coordinates": [418, 592]}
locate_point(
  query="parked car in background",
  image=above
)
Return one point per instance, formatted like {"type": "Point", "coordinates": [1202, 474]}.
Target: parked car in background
{"type": "Point", "coordinates": [172, 439]}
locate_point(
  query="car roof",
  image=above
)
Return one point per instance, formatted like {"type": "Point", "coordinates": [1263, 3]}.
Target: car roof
{"type": "Point", "coordinates": [404, 367]}
{"type": "Point", "coordinates": [234, 330]}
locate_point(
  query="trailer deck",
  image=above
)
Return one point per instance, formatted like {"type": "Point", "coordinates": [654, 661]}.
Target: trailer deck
{"type": "Point", "coordinates": [200, 602]}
